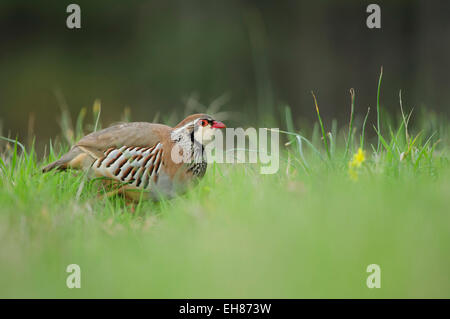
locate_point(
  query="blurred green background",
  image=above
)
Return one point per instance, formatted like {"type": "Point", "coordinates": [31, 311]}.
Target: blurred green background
{"type": "Point", "coordinates": [259, 55]}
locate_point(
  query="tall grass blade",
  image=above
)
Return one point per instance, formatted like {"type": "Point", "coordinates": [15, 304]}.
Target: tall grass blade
{"type": "Point", "coordinates": [289, 122]}
{"type": "Point", "coordinates": [324, 136]}
{"type": "Point", "coordinates": [97, 109]}
{"type": "Point", "coordinates": [378, 108]}
{"type": "Point", "coordinates": [363, 129]}
{"type": "Point", "coordinates": [15, 142]}
{"type": "Point", "coordinates": [350, 126]}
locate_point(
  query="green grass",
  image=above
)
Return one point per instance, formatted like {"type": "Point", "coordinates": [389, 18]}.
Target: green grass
{"type": "Point", "coordinates": [308, 231]}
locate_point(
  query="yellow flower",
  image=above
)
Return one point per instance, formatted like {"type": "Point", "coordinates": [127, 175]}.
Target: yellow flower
{"type": "Point", "coordinates": [355, 163]}
{"type": "Point", "coordinates": [357, 159]}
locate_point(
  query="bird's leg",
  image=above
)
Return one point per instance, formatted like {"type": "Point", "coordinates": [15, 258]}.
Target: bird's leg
{"type": "Point", "coordinates": [115, 192]}
{"type": "Point", "coordinates": [122, 191]}
{"type": "Point", "coordinates": [131, 204]}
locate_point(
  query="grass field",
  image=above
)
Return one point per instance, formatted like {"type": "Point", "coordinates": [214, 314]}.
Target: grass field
{"type": "Point", "coordinates": [308, 231]}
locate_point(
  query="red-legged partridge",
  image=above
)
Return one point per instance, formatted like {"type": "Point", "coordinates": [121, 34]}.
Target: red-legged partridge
{"type": "Point", "coordinates": [144, 158]}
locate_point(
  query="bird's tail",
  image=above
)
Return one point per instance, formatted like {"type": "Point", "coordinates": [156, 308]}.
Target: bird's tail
{"type": "Point", "coordinates": [64, 161]}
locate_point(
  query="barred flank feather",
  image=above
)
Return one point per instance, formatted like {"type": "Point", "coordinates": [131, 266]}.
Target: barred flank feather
{"type": "Point", "coordinates": [135, 166]}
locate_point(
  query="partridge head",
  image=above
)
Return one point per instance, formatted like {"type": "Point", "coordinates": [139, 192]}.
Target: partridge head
{"type": "Point", "coordinates": [142, 158]}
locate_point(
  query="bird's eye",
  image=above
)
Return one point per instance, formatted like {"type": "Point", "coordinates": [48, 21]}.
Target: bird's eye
{"type": "Point", "coordinates": [204, 122]}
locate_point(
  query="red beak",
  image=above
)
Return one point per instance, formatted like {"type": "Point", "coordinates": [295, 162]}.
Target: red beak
{"type": "Point", "coordinates": [217, 124]}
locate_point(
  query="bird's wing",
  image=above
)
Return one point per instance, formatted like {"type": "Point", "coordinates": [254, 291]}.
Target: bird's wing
{"type": "Point", "coordinates": [138, 134]}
